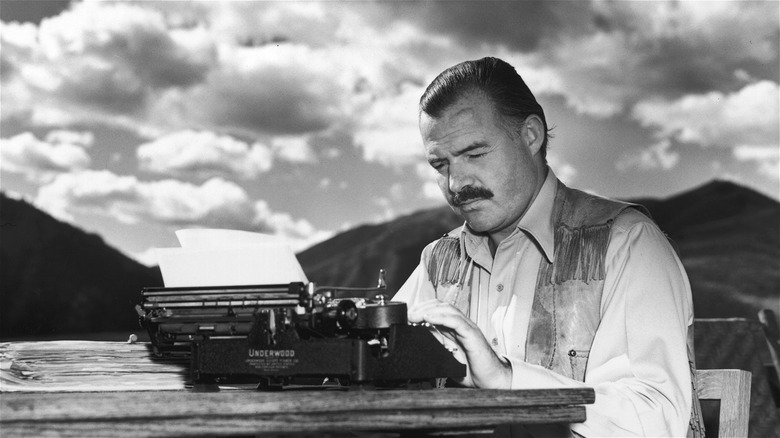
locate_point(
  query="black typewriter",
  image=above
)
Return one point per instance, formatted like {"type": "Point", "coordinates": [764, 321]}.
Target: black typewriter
{"type": "Point", "coordinates": [292, 334]}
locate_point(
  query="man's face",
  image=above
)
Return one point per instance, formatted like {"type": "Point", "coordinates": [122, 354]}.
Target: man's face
{"type": "Point", "coordinates": [487, 173]}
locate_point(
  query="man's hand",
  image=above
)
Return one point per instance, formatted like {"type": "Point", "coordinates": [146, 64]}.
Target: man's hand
{"type": "Point", "coordinates": [484, 368]}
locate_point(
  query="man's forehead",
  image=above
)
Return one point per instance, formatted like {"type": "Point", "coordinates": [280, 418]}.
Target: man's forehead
{"type": "Point", "coordinates": [465, 123]}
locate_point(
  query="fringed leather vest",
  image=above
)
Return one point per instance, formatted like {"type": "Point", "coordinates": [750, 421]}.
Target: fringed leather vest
{"type": "Point", "coordinates": [566, 307]}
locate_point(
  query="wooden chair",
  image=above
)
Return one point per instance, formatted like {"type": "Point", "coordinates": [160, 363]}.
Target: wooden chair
{"type": "Point", "coordinates": [732, 388]}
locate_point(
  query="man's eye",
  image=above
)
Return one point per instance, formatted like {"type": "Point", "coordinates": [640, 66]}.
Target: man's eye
{"type": "Point", "coordinates": [438, 165]}
{"type": "Point", "coordinates": [477, 155]}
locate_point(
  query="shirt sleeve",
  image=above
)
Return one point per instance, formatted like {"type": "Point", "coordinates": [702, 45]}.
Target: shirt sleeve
{"type": "Point", "coordinates": [638, 364]}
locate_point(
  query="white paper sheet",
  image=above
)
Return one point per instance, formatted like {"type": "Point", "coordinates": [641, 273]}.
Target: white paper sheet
{"type": "Point", "coordinates": [214, 257]}
{"type": "Point", "coordinates": [202, 238]}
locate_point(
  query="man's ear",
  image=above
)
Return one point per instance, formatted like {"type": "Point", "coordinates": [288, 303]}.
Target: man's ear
{"type": "Point", "coordinates": [533, 133]}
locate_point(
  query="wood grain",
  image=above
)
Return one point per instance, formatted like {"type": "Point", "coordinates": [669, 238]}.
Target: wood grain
{"type": "Point", "coordinates": [249, 412]}
{"type": "Point", "coordinates": [96, 389]}
{"type": "Point", "coordinates": [732, 388]}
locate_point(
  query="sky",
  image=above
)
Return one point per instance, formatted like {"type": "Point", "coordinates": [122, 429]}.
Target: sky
{"type": "Point", "coordinates": [135, 119]}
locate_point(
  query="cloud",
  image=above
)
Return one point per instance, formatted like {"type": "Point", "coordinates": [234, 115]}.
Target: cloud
{"type": "Point", "coordinates": [563, 170]}
{"type": "Point", "coordinates": [313, 24]}
{"type": "Point", "coordinates": [601, 56]}
{"type": "Point", "coordinates": [84, 139]}
{"type": "Point", "coordinates": [388, 132]}
{"type": "Point", "coordinates": [294, 149]}
{"type": "Point", "coordinates": [284, 90]}
{"type": "Point", "coordinates": [627, 50]}
{"type": "Point", "coordinates": [19, 43]}
{"type": "Point", "coordinates": [384, 210]}
{"type": "Point", "coordinates": [40, 161]}
{"type": "Point", "coordinates": [98, 62]}
{"type": "Point", "coordinates": [431, 190]}
{"type": "Point", "coordinates": [748, 116]}
{"type": "Point", "coordinates": [204, 154]}
{"type": "Point", "coordinates": [18, 67]}
{"type": "Point", "coordinates": [283, 76]}
{"type": "Point", "coordinates": [120, 43]}
{"type": "Point", "coordinates": [294, 70]}
{"type": "Point", "coordinates": [281, 73]}
{"type": "Point", "coordinates": [275, 68]}
{"type": "Point", "coordinates": [298, 232]}
{"type": "Point", "coordinates": [657, 156]}
{"type": "Point", "coordinates": [147, 257]}
{"type": "Point", "coordinates": [767, 158]}
{"type": "Point", "coordinates": [295, 89]}
{"type": "Point", "coordinates": [249, 69]}
{"type": "Point", "coordinates": [216, 203]}
{"type": "Point", "coordinates": [520, 26]}
{"type": "Point", "coordinates": [90, 192]}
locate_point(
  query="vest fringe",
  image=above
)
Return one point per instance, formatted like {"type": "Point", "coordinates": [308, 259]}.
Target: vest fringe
{"type": "Point", "coordinates": [444, 265]}
{"type": "Point", "coordinates": [580, 255]}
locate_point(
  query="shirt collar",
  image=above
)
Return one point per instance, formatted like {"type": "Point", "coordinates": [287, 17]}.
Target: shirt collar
{"type": "Point", "coordinates": [537, 223]}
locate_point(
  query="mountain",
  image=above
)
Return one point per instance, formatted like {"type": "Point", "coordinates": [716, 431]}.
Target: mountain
{"type": "Point", "coordinates": [727, 236]}
{"type": "Point", "coordinates": [355, 257]}
{"type": "Point", "coordinates": [56, 278]}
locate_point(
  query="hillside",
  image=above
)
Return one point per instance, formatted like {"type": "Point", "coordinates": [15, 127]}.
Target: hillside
{"type": "Point", "coordinates": [55, 278]}
{"type": "Point", "coordinates": [354, 257]}
{"type": "Point", "coordinates": [728, 238]}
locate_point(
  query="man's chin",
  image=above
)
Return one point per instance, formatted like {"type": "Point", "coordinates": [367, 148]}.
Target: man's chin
{"type": "Point", "coordinates": [476, 222]}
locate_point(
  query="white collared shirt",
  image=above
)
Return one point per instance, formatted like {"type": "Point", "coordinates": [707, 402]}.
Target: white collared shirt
{"type": "Point", "coordinates": [638, 362]}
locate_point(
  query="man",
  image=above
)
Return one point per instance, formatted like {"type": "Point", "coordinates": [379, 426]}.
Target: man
{"type": "Point", "coordinates": [545, 286]}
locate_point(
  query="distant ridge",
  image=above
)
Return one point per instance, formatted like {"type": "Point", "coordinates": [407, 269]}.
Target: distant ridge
{"type": "Point", "coordinates": [56, 278]}
{"type": "Point", "coordinates": [709, 203]}
{"type": "Point", "coordinates": [353, 258]}
{"type": "Point", "coordinates": [728, 237]}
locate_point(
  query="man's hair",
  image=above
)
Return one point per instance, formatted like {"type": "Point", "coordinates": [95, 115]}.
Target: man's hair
{"type": "Point", "coordinates": [497, 80]}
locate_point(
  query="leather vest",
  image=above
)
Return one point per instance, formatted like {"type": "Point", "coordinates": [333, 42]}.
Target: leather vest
{"type": "Point", "coordinates": [566, 308]}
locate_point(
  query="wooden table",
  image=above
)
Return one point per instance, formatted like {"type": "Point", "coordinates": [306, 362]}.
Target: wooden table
{"type": "Point", "coordinates": [181, 413]}
{"type": "Point", "coordinates": [69, 410]}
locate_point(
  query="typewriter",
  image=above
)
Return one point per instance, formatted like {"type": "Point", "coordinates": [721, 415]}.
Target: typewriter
{"type": "Point", "coordinates": [276, 336]}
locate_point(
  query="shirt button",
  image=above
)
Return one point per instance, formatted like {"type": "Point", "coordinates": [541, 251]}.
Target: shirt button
{"type": "Point", "coordinates": [494, 342]}
{"type": "Point", "coordinates": [500, 287]}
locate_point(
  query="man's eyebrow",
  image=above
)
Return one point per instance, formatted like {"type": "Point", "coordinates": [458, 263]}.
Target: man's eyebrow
{"type": "Point", "coordinates": [432, 158]}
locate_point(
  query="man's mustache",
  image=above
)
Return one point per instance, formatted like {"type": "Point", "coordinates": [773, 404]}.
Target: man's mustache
{"type": "Point", "coordinates": [470, 193]}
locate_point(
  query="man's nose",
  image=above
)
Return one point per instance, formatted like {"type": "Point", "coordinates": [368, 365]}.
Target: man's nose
{"type": "Point", "coordinates": [459, 177]}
